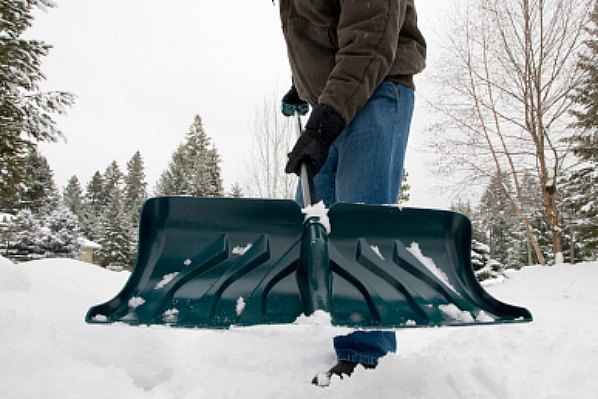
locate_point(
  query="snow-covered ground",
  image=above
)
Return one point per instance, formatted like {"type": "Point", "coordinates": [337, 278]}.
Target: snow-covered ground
{"type": "Point", "coordinates": [47, 350]}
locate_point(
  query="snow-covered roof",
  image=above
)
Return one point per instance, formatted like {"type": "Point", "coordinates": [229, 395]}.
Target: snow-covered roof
{"type": "Point", "coordinates": [85, 243]}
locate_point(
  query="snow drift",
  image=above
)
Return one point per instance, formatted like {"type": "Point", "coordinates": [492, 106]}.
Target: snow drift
{"type": "Point", "coordinates": [48, 351]}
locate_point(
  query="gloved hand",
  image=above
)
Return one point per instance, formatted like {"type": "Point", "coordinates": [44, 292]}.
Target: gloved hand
{"type": "Point", "coordinates": [291, 103]}
{"type": "Point", "coordinates": [322, 128]}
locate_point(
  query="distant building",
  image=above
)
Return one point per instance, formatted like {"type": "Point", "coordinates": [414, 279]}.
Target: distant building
{"type": "Point", "coordinates": [89, 251]}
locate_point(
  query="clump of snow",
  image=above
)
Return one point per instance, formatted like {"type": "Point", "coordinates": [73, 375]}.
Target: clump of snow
{"type": "Point", "coordinates": [318, 211]}
{"type": "Point", "coordinates": [430, 265]}
{"type": "Point", "coordinates": [135, 302]}
{"type": "Point", "coordinates": [456, 314]}
{"type": "Point", "coordinates": [239, 250]}
{"type": "Point", "coordinates": [484, 317]}
{"type": "Point", "coordinates": [187, 262]}
{"type": "Point", "coordinates": [170, 316]}
{"type": "Point", "coordinates": [410, 323]}
{"type": "Point", "coordinates": [377, 251]}
{"type": "Point", "coordinates": [559, 259]}
{"type": "Point", "coordinates": [322, 379]}
{"type": "Point", "coordinates": [100, 317]}
{"type": "Point", "coordinates": [318, 318]}
{"type": "Point", "coordinates": [167, 278]}
{"type": "Point", "coordinates": [240, 305]}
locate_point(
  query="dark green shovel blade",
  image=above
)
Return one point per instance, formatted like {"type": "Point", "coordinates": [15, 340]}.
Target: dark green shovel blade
{"type": "Point", "coordinates": [206, 262]}
{"type": "Point", "coordinates": [200, 260]}
{"type": "Point", "coordinates": [407, 267]}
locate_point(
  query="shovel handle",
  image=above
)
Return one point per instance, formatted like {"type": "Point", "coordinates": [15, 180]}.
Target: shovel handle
{"type": "Point", "coordinates": [308, 190]}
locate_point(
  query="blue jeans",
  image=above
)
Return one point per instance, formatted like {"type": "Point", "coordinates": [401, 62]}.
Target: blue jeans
{"type": "Point", "coordinates": [365, 165]}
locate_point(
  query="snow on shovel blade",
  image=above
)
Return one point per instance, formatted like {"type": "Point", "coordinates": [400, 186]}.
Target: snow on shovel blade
{"type": "Point", "coordinates": [405, 267]}
{"type": "Point", "coordinates": [213, 263]}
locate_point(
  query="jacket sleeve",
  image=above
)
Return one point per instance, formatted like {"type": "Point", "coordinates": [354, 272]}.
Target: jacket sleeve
{"type": "Point", "coordinates": [368, 34]}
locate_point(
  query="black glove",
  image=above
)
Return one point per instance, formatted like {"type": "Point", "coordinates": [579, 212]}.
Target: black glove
{"type": "Point", "coordinates": [291, 103]}
{"type": "Point", "coordinates": [322, 128]}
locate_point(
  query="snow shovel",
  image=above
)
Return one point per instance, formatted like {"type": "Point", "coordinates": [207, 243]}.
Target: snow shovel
{"type": "Point", "coordinates": [221, 262]}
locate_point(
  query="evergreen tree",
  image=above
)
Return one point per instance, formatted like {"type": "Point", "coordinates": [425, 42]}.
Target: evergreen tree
{"type": "Point", "coordinates": [135, 190]}
{"type": "Point", "coordinates": [213, 183]}
{"type": "Point", "coordinates": [93, 207]}
{"type": "Point", "coordinates": [580, 204]}
{"type": "Point", "coordinates": [502, 227]}
{"type": "Point", "coordinates": [72, 198]}
{"type": "Point", "coordinates": [25, 241]}
{"type": "Point", "coordinates": [61, 236]}
{"type": "Point", "coordinates": [586, 97]}
{"type": "Point", "coordinates": [174, 180]}
{"type": "Point", "coordinates": [112, 177]}
{"type": "Point", "coordinates": [114, 233]}
{"type": "Point", "coordinates": [25, 111]}
{"type": "Point", "coordinates": [194, 168]}
{"type": "Point", "coordinates": [203, 167]}
{"type": "Point", "coordinates": [483, 265]}
{"type": "Point", "coordinates": [40, 193]}
{"type": "Point", "coordinates": [236, 191]}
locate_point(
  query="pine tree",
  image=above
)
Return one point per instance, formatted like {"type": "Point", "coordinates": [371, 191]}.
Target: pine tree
{"type": "Point", "coordinates": [93, 207]}
{"type": "Point", "coordinates": [72, 198]}
{"type": "Point", "coordinates": [61, 234]}
{"type": "Point", "coordinates": [174, 180]}
{"type": "Point", "coordinates": [112, 177]}
{"type": "Point", "coordinates": [40, 193]}
{"type": "Point", "coordinates": [25, 111]}
{"type": "Point", "coordinates": [203, 168]}
{"type": "Point", "coordinates": [135, 190]}
{"type": "Point", "coordinates": [213, 184]}
{"type": "Point", "coordinates": [25, 241]}
{"type": "Point", "coordinates": [503, 229]}
{"type": "Point", "coordinates": [236, 191]}
{"type": "Point", "coordinates": [194, 168]}
{"type": "Point", "coordinates": [580, 203]}
{"type": "Point", "coordinates": [114, 234]}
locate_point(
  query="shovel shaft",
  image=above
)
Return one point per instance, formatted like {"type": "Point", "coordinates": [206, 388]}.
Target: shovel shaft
{"type": "Point", "coordinates": [307, 181]}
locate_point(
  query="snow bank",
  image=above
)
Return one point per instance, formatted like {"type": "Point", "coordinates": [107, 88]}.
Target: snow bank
{"type": "Point", "coordinates": [48, 351]}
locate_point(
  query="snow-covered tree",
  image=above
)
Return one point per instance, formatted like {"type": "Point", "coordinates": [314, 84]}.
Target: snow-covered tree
{"type": "Point", "coordinates": [113, 177]}
{"type": "Point", "coordinates": [24, 239]}
{"type": "Point", "coordinates": [93, 207]}
{"type": "Point", "coordinates": [26, 113]}
{"type": "Point", "coordinates": [40, 193]}
{"type": "Point", "coordinates": [174, 181]}
{"type": "Point", "coordinates": [580, 193]}
{"type": "Point", "coordinates": [503, 97]}
{"type": "Point", "coordinates": [194, 168]}
{"type": "Point", "coordinates": [236, 191]}
{"type": "Point", "coordinates": [483, 265]}
{"type": "Point", "coordinates": [72, 197]}
{"type": "Point", "coordinates": [114, 233]}
{"type": "Point", "coordinates": [505, 234]}
{"type": "Point", "coordinates": [135, 190]}
{"type": "Point", "coordinates": [61, 235]}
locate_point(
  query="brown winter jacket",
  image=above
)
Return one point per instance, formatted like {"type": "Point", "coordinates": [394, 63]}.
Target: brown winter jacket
{"type": "Point", "coordinates": [341, 50]}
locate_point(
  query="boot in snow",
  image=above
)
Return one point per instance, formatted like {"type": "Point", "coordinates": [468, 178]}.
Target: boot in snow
{"type": "Point", "coordinates": [342, 369]}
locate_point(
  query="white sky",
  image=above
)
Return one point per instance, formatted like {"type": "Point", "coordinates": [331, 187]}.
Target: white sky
{"type": "Point", "coordinates": [141, 70]}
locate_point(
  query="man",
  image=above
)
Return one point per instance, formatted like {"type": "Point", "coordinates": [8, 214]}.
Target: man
{"type": "Point", "coordinates": [353, 61]}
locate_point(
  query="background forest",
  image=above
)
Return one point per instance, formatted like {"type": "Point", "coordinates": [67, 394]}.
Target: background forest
{"type": "Point", "coordinates": [515, 102]}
